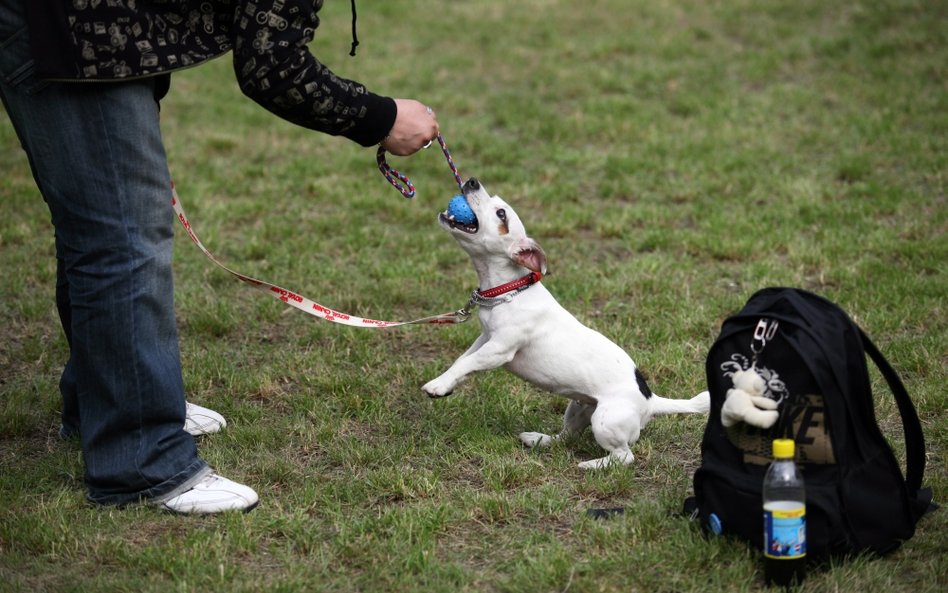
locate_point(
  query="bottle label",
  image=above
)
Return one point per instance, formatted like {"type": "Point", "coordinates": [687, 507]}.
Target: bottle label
{"type": "Point", "coordinates": [784, 530]}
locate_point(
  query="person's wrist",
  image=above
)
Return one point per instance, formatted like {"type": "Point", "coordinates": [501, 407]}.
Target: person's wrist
{"type": "Point", "coordinates": [377, 123]}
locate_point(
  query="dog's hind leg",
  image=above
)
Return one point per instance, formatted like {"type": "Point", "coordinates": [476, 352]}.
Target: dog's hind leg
{"type": "Point", "coordinates": [615, 425]}
{"type": "Point", "coordinates": [575, 420]}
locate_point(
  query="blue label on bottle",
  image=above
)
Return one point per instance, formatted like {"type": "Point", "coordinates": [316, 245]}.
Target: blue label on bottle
{"type": "Point", "coordinates": [784, 530]}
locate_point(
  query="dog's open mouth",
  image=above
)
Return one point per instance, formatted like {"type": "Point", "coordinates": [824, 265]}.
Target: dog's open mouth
{"type": "Point", "coordinates": [448, 219]}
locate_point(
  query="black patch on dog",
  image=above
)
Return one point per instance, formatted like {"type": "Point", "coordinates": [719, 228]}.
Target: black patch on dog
{"type": "Point", "coordinates": [643, 386]}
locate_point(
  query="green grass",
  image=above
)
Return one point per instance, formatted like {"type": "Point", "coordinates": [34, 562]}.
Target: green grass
{"type": "Point", "coordinates": [671, 157]}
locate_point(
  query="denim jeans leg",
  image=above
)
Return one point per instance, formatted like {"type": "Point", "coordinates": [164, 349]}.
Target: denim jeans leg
{"type": "Point", "coordinates": [69, 426]}
{"type": "Point", "coordinates": [98, 159]}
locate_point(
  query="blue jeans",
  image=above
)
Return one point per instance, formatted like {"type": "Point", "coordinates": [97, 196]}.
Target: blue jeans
{"type": "Point", "coordinates": [96, 154]}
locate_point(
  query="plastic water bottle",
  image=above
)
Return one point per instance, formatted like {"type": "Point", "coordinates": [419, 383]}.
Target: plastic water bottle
{"type": "Point", "coordinates": [784, 519]}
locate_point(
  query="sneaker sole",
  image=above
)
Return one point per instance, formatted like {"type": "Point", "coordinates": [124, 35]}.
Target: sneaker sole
{"type": "Point", "coordinates": [165, 509]}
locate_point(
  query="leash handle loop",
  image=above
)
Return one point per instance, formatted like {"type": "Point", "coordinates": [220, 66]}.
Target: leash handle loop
{"type": "Point", "coordinates": [394, 176]}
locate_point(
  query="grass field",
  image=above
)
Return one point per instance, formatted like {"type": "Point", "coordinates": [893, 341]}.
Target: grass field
{"type": "Point", "coordinates": [672, 157]}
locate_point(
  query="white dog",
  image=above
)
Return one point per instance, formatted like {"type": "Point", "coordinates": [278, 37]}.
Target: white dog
{"type": "Point", "coordinates": [525, 330]}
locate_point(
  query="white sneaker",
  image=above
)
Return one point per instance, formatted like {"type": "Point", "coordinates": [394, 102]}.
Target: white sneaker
{"type": "Point", "coordinates": [198, 420]}
{"type": "Point", "coordinates": [213, 494]}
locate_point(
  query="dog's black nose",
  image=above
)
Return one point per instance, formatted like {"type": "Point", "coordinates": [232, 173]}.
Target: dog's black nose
{"type": "Point", "coordinates": [472, 184]}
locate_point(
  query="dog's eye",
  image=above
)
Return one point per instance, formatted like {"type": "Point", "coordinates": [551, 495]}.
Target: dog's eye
{"type": "Point", "coordinates": [502, 214]}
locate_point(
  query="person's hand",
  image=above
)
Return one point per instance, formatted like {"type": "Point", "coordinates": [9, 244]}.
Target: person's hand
{"type": "Point", "coordinates": [415, 127]}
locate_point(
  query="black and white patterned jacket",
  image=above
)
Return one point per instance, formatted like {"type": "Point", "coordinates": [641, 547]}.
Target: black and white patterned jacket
{"type": "Point", "coordinates": [123, 39]}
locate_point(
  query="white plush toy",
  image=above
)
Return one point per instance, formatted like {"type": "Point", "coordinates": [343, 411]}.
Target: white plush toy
{"type": "Point", "coordinates": [747, 403]}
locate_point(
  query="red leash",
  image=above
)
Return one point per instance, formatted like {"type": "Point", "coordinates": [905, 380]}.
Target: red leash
{"type": "Point", "coordinates": [301, 302]}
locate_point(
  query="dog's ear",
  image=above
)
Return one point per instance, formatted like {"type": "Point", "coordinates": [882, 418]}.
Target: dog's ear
{"type": "Point", "coordinates": [528, 253]}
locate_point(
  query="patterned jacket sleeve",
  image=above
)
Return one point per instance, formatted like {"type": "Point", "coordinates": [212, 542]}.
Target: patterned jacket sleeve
{"type": "Point", "coordinates": [275, 68]}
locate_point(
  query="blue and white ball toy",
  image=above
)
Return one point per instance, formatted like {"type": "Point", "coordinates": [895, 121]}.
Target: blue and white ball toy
{"type": "Point", "coordinates": [459, 209]}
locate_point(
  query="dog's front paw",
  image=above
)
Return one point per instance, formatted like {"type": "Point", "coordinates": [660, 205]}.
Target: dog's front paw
{"type": "Point", "coordinates": [438, 388]}
{"type": "Point", "coordinates": [535, 439]}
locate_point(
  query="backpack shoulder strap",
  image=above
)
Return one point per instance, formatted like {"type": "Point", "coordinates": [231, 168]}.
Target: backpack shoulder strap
{"type": "Point", "coordinates": [914, 439]}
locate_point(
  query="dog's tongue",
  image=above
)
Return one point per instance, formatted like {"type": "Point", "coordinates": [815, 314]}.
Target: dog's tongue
{"type": "Point", "coordinates": [460, 211]}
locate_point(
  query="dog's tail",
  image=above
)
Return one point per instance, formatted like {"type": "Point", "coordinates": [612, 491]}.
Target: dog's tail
{"type": "Point", "coordinates": [699, 404]}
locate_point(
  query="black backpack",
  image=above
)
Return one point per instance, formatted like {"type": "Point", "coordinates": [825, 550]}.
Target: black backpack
{"type": "Point", "coordinates": [813, 359]}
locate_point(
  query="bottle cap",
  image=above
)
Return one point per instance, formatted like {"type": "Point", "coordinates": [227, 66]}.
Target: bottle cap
{"type": "Point", "coordinates": [783, 448]}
